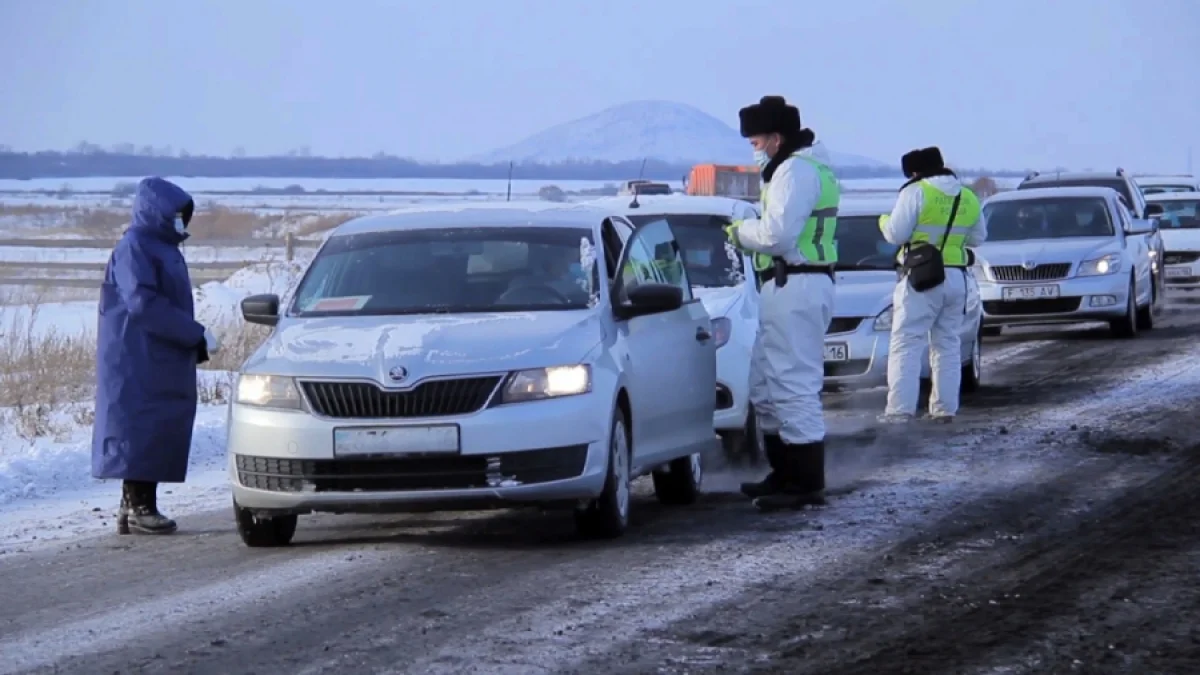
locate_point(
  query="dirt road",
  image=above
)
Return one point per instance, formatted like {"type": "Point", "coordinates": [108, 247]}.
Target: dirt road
{"type": "Point", "coordinates": [1052, 528]}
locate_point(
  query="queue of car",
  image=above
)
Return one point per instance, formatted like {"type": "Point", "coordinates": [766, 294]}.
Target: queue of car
{"type": "Point", "coordinates": [534, 354]}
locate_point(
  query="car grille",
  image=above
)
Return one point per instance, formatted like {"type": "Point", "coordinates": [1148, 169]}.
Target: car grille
{"type": "Point", "coordinates": [849, 368]}
{"type": "Point", "coordinates": [454, 472]}
{"type": "Point", "coordinates": [1046, 272]}
{"type": "Point", "coordinates": [1181, 257]}
{"type": "Point", "coordinates": [366, 400]}
{"type": "Point", "coordinates": [1021, 307]}
{"type": "Point", "coordinates": [844, 324]}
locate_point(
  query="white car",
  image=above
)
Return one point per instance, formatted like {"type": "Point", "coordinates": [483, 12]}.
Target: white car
{"type": "Point", "coordinates": [473, 357]}
{"type": "Point", "coordinates": [718, 275]}
{"type": "Point", "coordinates": [1179, 225]}
{"type": "Point", "coordinates": [856, 345]}
{"type": "Point", "coordinates": [1066, 255]}
{"type": "Point", "coordinates": [1154, 185]}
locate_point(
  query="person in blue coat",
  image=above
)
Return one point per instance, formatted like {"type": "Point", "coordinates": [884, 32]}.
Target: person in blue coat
{"type": "Point", "coordinates": [148, 345]}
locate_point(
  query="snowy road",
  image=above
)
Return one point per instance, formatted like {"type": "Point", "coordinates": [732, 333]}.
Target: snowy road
{"type": "Point", "coordinates": [1051, 529]}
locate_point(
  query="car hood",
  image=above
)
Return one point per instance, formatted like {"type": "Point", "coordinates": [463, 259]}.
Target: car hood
{"type": "Point", "coordinates": [426, 344]}
{"type": "Point", "coordinates": [1180, 240]}
{"type": "Point", "coordinates": [1038, 251]}
{"type": "Point", "coordinates": [719, 301]}
{"type": "Point", "coordinates": [863, 293]}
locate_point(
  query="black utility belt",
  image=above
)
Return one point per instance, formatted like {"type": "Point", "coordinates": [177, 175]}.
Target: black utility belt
{"type": "Point", "coordinates": [780, 272]}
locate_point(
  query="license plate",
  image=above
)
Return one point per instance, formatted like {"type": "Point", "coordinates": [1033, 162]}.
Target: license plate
{"type": "Point", "coordinates": [837, 352]}
{"type": "Point", "coordinates": [1176, 272]}
{"type": "Point", "coordinates": [1029, 292]}
{"type": "Point", "coordinates": [392, 441]}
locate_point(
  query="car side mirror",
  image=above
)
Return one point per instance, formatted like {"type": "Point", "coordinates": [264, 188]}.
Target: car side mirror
{"type": "Point", "coordinates": [648, 298]}
{"type": "Point", "coordinates": [1154, 210]}
{"type": "Point", "coordinates": [261, 309]}
{"type": "Point", "coordinates": [1139, 226]}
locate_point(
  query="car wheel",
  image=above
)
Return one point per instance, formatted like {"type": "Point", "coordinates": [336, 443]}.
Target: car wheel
{"type": "Point", "coordinates": [1127, 326]}
{"type": "Point", "coordinates": [1145, 315]}
{"type": "Point", "coordinates": [745, 446]}
{"type": "Point", "coordinates": [264, 531]}
{"type": "Point", "coordinates": [607, 516]}
{"type": "Point", "coordinates": [972, 370]}
{"type": "Point", "coordinates": [992, 331]}
{"type": "Point", "coordinates": [679, 483]}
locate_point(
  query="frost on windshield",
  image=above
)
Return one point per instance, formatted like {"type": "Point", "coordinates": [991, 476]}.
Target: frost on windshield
{"type": "Point", "coordinates": [736, 274]}
{"type": "Point", "coordinates": [587, 263]}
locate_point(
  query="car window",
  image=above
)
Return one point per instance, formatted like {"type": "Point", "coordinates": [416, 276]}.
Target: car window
{"type": "Point", "coordinates": [861, 245]}
{"type": "Point", "coordinates": [1180, 214]}
{"type": "Point", "coordinates": [711, 261]}
{"type": "Point", "coordinates": [1161, 189]}
{"type": "Point", "coordinates": [451, 270]}
{"type": "Point", "coordinates": [1119, 184]}
{"type": "Point", "coordinates": [1048, 218]}
{"type": "Point", "coordinates": [655, 256]}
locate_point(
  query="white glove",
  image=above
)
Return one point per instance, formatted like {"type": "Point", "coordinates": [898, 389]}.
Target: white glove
{"type": "Point", "coordinates": [211, 343]}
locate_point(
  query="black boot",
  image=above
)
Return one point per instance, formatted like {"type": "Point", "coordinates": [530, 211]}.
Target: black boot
{"type": "Point", "coordinates": [773, 448]}
{"type": "Point", "coordinates": [803, 478]}
{"type": "Point", "coordinates": [139, 510]}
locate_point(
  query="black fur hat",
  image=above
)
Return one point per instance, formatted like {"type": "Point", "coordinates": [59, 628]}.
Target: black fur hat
{"type": "Point", "coordinates": [771, 115]}
{"type": "Point", "coordinates": [923, 162]}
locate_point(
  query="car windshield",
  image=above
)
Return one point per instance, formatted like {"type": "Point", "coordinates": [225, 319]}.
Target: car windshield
{"type": "Point", "coordinates": [1180, 214]}
{"type": "Point", "coordinates": [708, 257]}
{"type": "Point", "coordinates": [1048, 218]}
{"type": "Point", "coordinates": [1160, 189]}
{"type": "Point", "coordinates": [861, 246]}
{"type": "Point", "coordinates": [455, 270]}
{"type": "Point", "coordinates": [1118, 184]}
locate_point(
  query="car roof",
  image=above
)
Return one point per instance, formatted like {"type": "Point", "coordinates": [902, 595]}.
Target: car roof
{"type": "Point", "coordinates": [668, 204]}
{"type": "Point", "coordinates": [1051, 177]}
{"type": "Point", "coordinates": [478, 214]}
{"type": "Point", "coordinates": [1173, 197]}
{"type": "Point", "coordinates": [1050, 192]}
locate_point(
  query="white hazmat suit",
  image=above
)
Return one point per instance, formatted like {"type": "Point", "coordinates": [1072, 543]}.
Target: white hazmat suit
{"type": "Point", "coordinates": [934, 317]}
{"type": "Point", "coordinates": [787, 368]}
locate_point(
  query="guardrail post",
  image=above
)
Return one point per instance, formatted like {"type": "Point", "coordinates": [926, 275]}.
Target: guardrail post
{"type": "Point", "coordinates": [289, 246]}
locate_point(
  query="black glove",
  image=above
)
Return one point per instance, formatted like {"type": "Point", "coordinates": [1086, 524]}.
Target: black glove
{"type": "Point", "coordinates": [201, 352]}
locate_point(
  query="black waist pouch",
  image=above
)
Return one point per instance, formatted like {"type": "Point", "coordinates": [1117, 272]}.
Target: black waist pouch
{"type": "Point", "coordinates": [923, 265]}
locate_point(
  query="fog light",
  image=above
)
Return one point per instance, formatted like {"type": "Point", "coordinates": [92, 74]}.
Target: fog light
{"type": "Point", "coordinates": [1103, 300]}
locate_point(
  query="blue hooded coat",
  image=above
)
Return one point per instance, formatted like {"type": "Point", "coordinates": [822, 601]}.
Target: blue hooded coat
{"type": "Point", "coordinates": [148, 346]}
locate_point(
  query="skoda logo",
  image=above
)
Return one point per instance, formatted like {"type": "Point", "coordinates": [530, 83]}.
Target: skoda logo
{"type": "Point", "coordinates": [398, 374]}
{"type": "Point", "coordinates": [1029, 264]}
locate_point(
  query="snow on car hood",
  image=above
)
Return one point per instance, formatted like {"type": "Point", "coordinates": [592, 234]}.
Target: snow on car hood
{"type": "Point", "coordinates": [863, 293]}
{"type": "Point", "coordinates": [719, 301]}
{"type": "Point", "coordinates": [426, 344]}
{"type": "Point", "coordinates": [1039, 251]}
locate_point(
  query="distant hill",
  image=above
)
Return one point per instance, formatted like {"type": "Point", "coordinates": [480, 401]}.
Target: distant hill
{"type": "Point", "coordinates": [672, 133]}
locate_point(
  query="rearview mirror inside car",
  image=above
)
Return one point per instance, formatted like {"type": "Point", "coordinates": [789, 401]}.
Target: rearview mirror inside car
{"type": "Point", "coordinates": [647, 299]}
{"type": "Point", "coordinates": [261, 309]}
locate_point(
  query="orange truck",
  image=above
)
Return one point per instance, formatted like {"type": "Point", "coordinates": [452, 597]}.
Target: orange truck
{"type": "Point", "coordinates": [724, 180]}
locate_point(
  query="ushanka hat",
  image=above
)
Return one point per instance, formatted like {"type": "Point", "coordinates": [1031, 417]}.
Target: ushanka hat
{"type": "Point", "coordinates": [771, 115]}
{"type": "Point", "coordinates": [925, 161]}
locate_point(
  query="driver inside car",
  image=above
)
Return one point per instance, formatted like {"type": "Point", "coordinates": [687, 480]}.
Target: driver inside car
{"type": "Point", "coordinates": [553, 267]}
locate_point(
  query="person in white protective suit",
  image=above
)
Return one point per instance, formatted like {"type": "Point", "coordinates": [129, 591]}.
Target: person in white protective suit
{"type": "Point", "coordinates": [795, 252]}
{"type": "Point", "coordinates": [933, 209]}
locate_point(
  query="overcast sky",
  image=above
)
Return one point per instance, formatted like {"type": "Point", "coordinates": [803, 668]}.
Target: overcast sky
{"type": "Point", "coordinates": [1014, 84]}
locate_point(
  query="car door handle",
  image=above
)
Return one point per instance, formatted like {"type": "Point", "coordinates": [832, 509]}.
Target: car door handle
{"type": "Point", "coordinates": [702, 334]}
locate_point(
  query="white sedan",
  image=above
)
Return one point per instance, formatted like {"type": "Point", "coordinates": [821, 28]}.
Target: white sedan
{"type": "Point", "coordinates": [473, 357]}
{"type": "Point", "coordinates": [856, 344]}
{"type": "Point", "coordinates": [1179, 225]}
{"type": "Point", "coordinates": [718, 275]}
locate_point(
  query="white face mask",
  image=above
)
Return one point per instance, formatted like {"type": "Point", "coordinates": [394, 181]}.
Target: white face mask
{"type": "Point", "coordinates": [761, 158]}
{"type": "Point", "coordinates": [180, 227]}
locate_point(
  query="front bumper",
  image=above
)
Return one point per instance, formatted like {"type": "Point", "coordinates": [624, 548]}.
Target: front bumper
{"type": "Point", "coordinates": [1099, 298]}
{"type": "Point", "coordinates": [552, 452]}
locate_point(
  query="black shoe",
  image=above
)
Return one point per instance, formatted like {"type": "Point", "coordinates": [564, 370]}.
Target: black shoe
{"type": "Point", "coordinates": [804, 479]}
{"type": "Point", "coordinates": [773, 448]}
{"type": "Point", "coordinates": [139, 510]}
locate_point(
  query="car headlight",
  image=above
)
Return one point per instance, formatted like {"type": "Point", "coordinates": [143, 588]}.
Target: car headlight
{"type": "Point", "coordinates": [722, 329]}
{"type": "Point", "coordinates": [543, 383]}
{"type": "Point", "coordinates": [268, 391]}
{"type": "Point", "coordinates": [1107, 264]}
{"type": "Point", "coordinates": [883, 322]}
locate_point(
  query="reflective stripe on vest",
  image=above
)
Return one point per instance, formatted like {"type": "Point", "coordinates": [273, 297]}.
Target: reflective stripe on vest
{"type": "Point", "coordinates": [817, 242]}
{"type": "Point", "coordinates": [935, 214]}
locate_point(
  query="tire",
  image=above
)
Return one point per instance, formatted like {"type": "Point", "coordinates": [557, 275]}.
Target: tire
{"type": "Point", "coordinates": [991, 331]}
{"type": "Point", "coordinates": [607, 516]}
{"type": "Point", "coordinates": [264, 531]}
{"type": "Point", "coordinates": [972, 370]}
{"type": "Point", "coordinates": [1146, 315]}
{"type": "Point", "coordinates": [679, 483]}
{"type": "Point", "coordinates": [1127, 326]}
{"type": "Point", "coordinates": [745, 446]}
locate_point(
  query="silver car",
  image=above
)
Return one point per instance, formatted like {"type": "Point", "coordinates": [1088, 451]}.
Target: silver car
{"type": "Point", "coordinates": [474, 357]}
{"type": "Point", "coordinates": [856, 345]}
{"type": "Point", "coordinates": [1066, 255]}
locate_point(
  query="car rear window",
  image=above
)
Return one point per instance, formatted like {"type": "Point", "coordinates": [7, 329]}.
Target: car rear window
{"type": "Point", "coordinates": [452, 270]}
{"type": "Point", "coordinates": [1048, 218]}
